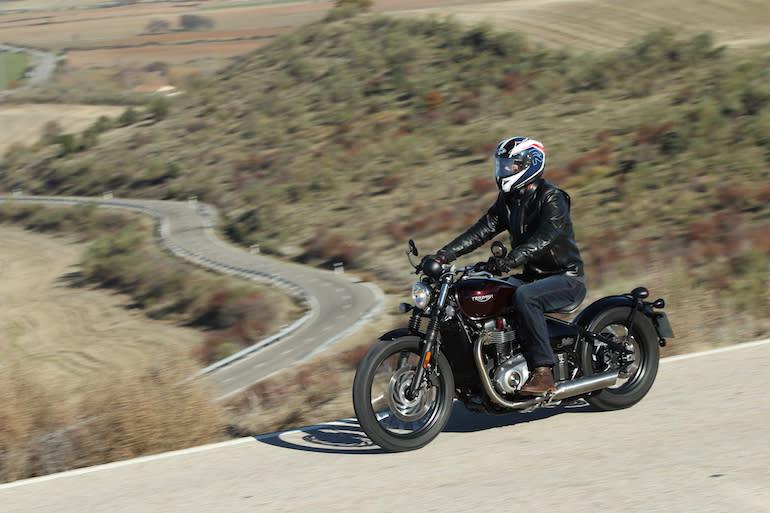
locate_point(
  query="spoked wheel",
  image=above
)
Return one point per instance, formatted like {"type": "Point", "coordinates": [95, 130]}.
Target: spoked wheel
{"type": "Point", "coordinates": [639, 361]}
{"type": "Point", "coordinates": [386, 413]}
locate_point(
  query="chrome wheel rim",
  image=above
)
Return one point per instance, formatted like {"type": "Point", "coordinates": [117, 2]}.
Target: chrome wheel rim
{"type": "Point", "coordinates": [619, 333]}
{"type": "Point", "coordinates": [394, 411]}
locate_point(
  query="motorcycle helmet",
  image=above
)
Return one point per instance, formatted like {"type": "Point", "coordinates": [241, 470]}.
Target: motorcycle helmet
{"type": "Point", "coordinates": [519, 161]}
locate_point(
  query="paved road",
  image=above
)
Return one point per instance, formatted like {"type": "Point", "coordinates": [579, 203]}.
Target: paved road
{"type": "Point", "coordinates": [697, 443]}
{"type": "Point", "coordinates": [338, 304]}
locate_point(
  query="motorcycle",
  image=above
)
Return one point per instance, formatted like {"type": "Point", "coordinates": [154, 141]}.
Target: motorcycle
{"type": "Point", "coordinates": [405, 385]}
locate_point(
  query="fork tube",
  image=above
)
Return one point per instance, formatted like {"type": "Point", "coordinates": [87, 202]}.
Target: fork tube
{"type": "Point", "coordinates": [430, 338]}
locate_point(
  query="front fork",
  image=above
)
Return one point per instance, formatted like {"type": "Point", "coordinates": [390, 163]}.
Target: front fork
{"type": "Point", "coordinates": [431, 335]}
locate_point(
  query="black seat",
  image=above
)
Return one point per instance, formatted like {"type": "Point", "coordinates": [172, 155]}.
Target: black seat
{"type": "Point", "coordinates": [568, 309]}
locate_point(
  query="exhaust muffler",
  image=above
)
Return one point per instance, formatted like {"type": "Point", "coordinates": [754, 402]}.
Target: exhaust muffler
{"type": "Point", "coordinates": [585, 385]}
{"type": "Point", "coordinates": [563, 390]}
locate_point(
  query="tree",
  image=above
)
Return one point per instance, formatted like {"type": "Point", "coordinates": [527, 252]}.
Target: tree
{"type": "Point", "coordinates": [158, 26]}
{"type": "Point", "coordinates": [158, 108]}
{"type": "Point", "coordinates": [195, 22]}
{"type": "Point", "coordinates": [129, 117]}
{"type": "Point", "coordinates": [359, 4]}
{"type": "Point", "coordinates": [344, 9]}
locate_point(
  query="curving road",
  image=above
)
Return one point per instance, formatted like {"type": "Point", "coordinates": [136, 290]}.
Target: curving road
{"type": "Point", "coordinates": [338, 304]}
{"type": "Point", "coordinates": [697, 443]}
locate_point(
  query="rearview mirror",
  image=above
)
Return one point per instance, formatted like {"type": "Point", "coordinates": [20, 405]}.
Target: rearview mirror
{"type": "Point", "coordinates": [413, 248]}
{"type": "Point", "coordinates": [498, 249]}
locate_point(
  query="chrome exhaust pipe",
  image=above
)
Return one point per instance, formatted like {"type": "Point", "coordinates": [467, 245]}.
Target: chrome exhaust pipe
{"type": "Point", "coordinates": [489, 388]}
{"type": "Point", "coordinates": [584, 385]}
{"type": "Point", "coordinates": [563, 390]}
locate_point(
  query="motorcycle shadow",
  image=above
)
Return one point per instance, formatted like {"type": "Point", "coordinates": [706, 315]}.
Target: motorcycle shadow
{"type": "Point", "coordinates": [347, 437]}
{"type": "Point", "coordinates": [340, 437]}
{"type": "Point", "coordinates": [466, 421]}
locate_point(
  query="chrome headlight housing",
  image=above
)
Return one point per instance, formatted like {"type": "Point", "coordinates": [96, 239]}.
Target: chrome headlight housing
{"type": "Point", "coordinates": [421, 294]}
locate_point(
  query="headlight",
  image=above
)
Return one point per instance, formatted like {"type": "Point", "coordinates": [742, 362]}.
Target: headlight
{"type": "Point", "coordinates": [421, 295]}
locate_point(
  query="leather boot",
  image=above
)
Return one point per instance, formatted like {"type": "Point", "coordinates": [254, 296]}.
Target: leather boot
{"type": "Point", "coordinates": [539, 383]}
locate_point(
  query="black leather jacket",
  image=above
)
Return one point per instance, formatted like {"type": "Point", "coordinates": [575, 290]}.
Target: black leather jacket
{"type": "Point", "coordinates": [538, 220]}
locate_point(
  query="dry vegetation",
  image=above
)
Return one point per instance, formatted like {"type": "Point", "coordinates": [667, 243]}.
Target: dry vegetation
{"type": "Point", "coordinates": [90, 376]}
{"type": "Point", "coordinates": [131, 412]}
{"type": "Point", "coordinates": [23, 123]}
{"type": "Point", "coordinates": [363, 131]}
{"type": "Point", "coordinates": [598, 25]}
{"type": "Point", "coordinates": [83, 378]}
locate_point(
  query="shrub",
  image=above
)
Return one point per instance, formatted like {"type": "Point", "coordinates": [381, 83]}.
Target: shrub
{"type": "Point", "coordinates": [159, 108]}
{"type": "Point", "coordinates": [67, 142]}
{"type": "Point", "coordinates": [755, 98]}
{"type": "Point", "coordinates": [195, 22]}
{"type": "Point", "coordinates": [359, 4]}
{"type": "Point", "coordinates": [129, 117]}
{"type": "Point", "coordinates": [344, 9]}
{"type": "Point", "coordinates": [157, 26]}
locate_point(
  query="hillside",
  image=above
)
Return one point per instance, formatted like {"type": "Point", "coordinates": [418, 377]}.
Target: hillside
{"type": "Point", "coordinates": [340, 141]}
{"type": "Point", "coordinates": [602, 24]}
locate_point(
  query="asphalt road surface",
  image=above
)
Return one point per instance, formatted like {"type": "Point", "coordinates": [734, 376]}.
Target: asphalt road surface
{"type": "Point", "coordinates": [337, 303]}
{"type": "Point", "coordinates": [697, 443]}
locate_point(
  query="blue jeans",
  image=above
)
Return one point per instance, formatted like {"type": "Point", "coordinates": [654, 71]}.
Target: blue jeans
{"type": "Point", "coordinates": [532, 301]}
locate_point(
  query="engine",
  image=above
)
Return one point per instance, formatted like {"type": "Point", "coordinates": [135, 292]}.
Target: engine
{"type": "Point", "coordinates": [510, 370]}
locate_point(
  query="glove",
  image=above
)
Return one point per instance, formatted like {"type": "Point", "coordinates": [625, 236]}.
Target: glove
{"type": "Point", "coordinates": [445, 256]}
{"type": "Point", "coordinates": [498, 266]}
{"type": "Point", "coordinates": [442, 256]}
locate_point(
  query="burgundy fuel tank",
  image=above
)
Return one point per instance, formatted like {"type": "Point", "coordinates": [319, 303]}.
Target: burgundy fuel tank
{"type": "Point", "coordinates": [482, 298]}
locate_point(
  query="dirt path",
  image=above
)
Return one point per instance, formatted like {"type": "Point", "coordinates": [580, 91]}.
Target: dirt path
{"type": "Point", "coordinates": [77, 335]}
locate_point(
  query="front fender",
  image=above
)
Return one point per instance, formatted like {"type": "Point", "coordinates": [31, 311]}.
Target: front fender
{"type": "Point", "coordinates": [401, 332]}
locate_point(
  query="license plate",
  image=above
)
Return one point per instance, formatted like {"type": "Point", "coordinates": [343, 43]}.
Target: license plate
{"type": "Point", "coordinates": [663, 326]}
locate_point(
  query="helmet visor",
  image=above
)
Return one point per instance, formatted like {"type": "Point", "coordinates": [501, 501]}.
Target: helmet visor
{"type": "Point", "coordinates": [505, 168]}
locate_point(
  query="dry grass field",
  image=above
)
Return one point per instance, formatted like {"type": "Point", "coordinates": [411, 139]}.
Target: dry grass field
{"type": "Point", "coordinates": [23, 124]}
{"type": "Point", "coordinates": [603, 24]}
{"type": "Point", "coordinates": [111, 48]}
{"type": "Point", "coordinates": [76, 28]}
{"type": "Point", "coordinates": [84, 379]}
{"type": "Point", "coordinates": [76, 336]}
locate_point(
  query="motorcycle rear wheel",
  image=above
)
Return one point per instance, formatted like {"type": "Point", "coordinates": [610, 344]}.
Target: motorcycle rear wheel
{"type": "Point", "coordinates": [384, 412]}
{"type": "Point", "coordinates": [646, 355]}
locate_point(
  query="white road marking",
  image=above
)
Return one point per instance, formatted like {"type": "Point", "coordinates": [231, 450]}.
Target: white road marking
{"type": "Point", "coordinates": [118, 464]}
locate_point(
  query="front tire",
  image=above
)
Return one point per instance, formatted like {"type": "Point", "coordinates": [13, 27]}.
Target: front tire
{"type": "Point", "coordinates": [386, 415]}
{"type": "Point", "coordinates": [597, 358]}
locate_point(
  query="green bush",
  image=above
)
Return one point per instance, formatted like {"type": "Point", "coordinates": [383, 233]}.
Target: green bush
{"type": "Point", "coordinates": [159, 108]}
{"type": "Point", "coordinates": [129, 117]}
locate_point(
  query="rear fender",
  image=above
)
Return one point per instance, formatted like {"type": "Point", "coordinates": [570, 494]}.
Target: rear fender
{"type": "Point", "coordinates": [590, 312]}
{"type": "Point", "coordinates": [585, 317]}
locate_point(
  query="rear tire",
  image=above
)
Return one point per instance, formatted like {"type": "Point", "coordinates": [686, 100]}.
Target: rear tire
{"type": "Point", "coordinates": [392, 421]}
{"type": "Point", "coordinates": [596, 359]}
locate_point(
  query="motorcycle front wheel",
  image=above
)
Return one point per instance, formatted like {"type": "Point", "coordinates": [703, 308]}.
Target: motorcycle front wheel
{"type": "Point", "coordinates": [384, 411]}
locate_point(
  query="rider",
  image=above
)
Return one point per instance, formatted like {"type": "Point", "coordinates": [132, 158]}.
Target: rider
{"type": "Point", "coordinates": [536, 215]}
